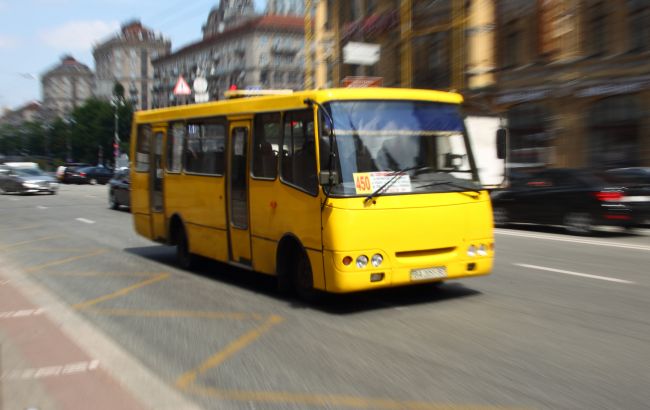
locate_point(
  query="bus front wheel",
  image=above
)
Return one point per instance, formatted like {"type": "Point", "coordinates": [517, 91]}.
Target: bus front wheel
{"type": "Point", "coordinates": [185, 259]}
{"type": "Point", "coordinates": [303, 280]}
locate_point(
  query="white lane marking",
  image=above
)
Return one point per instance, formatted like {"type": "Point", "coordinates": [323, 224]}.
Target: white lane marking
{"type": "Point", "coordinates": [41, 207]}
{"type": "Point", "coordinates": [51, 371]}
{"type": "Point", "coordinates": [14, 199]}
{"type": "Point", "coordinates": [573, 240]}
{"type": "Point", "coordinates": [21, 313]}
{"type": "Point", "coordinates": [86, 221]}
{"type": "Point", "coordinates": [91, 196]}
{"type": "Point", "coordinates": [567, 272]}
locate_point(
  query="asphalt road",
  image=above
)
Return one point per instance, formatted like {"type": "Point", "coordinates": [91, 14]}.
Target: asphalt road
{"type": "Point", "coordinates": [562, 323]}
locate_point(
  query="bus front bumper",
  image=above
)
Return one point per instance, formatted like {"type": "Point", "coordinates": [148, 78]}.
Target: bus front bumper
{"type": "Point", "coordinates": [352, 280]}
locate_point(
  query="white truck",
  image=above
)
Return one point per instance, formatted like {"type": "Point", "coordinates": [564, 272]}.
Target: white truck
{"type": "Point", "coordinates": [483, 136]}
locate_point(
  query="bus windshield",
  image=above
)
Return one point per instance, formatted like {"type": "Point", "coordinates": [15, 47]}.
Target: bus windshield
{"type": "Point", "coordinates": [402, 146]}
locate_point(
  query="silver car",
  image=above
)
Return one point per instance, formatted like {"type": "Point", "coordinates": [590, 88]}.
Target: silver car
{"type": "Point", "coordinates": [26, 180]}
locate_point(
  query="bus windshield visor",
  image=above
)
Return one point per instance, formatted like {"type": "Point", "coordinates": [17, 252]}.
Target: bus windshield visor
{"type": "Point", "coordinates": [397, 147]}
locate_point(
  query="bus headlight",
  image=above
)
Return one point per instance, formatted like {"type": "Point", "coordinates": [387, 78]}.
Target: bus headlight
{"type": "Point", "coordinates": [376, 260]}
{"type": "Point", "coordinates": [471, 251]}
{"type": "Point", "coordinates": [482, 250]}
{"type": "Point", "coordinates": [362, 261]}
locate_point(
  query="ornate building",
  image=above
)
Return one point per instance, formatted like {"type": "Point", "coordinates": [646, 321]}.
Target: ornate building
{"type": "Point", "coordinates": [66, 86]}
{"type": "Point", "coordinates": [126, 59]}
{"type": "Point", "coordinates": [229, 13]}
{"type": "Point", "coordinates": [261, 52]}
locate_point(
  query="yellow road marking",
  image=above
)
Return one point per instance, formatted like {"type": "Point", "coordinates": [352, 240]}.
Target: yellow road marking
{"type": "Point", "coordinates": [121, 292]}
{"type": "Point", "coordinates": [88, 274]}
{"type": "Point", "coordinates": [331, 400]}
{"type": "Point", "coordinates": [186, 379]}
{"type": "Point", "coordinates": [66, 260]}
{"type": "Point", "coordinates": [197, 314]}
{"type": "Point", "coordinates": [23, 228]}
{"type": "Point", "coordinates": [50, 249]}
{"type": "Point", "coordinates": [13, 245]}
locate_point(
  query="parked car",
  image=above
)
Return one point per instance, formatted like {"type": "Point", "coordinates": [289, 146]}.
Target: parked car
{"type": "Point", "coordinates": [578, 199]}
{"type": "Point", "coordinates": [119, 189]}
{"type": "Point", "coordinates": [637, 175]}
{"type": "Point", "coordinates": [69, 166]}
{"type": "Point", "coordinates": [26, 180]}
{"type": "Point", "coordinates": [89, 175]}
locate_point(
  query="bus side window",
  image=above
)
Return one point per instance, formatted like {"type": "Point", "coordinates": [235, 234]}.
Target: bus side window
{"type": "Point", "coordinates": [175, 141]}
{"type": "Point", "coordinates": [266, 137]}
{"type": "Point", "coordinates": [205, 149]}
{"type": "Point", "coordinates": [142, 148]}
{"type": "Point", "coordinates": [299, 164]}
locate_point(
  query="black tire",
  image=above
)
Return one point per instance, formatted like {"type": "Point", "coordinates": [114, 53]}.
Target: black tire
{"type": "Point", "coordinates": [580, 223]}
{"type": "Point", "coordinates": [501, 217]}
{"type": "Point", "coordinates": [111, 200]}
{"type": "Point", "coordinates": [303, 280]}
{"type": "Point", "coordinates": [185, 259]}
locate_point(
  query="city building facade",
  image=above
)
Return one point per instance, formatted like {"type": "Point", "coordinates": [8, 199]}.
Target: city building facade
{"type": "Point", "coordinates": [66, 86]}
{"type": "Point", "coordinates": [574, 81]}
{"type": "Point", "coordinates": [30, 112]}
{"type": "Point", "coordinates": [126, 59]}
{"type": "Point", "coordinates": [433, 44]}
{"type": "Point", "coordinates": [260, 52]}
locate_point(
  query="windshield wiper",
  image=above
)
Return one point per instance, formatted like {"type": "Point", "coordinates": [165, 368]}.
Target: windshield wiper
{"type": "Point", "coordinates": [394, 177]}
{"type": "Point", "coordinates": [450, 183]}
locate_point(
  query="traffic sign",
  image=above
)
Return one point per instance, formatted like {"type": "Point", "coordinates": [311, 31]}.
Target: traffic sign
{"type": "Point", "coordinates": [182, 88]}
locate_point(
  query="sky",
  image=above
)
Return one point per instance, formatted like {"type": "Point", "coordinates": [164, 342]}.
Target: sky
{"type": "Point", "coordinates": [35, 34]}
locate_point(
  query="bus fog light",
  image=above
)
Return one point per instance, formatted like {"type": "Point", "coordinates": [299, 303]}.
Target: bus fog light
{"type": "Point", "coordinates": [471, 251]}
{"type": "Point", "coordinates": [376, 277]}
{"type": "Point", "coordinates": [347, 260]}
{"type": "Point", "coordinates": [362, 261]}
{"type": "Point", "coordinates": [376, 260]}
{"type": "Point", "coordinates": [482, 250]}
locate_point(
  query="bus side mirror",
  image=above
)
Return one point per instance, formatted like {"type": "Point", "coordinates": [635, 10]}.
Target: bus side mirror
{"type": "Point", "coordinates": [324, 178]}
{"type": "Point", "coordinates": [501, 143]}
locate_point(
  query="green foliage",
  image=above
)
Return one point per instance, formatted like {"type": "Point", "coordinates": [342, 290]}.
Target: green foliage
{"type": "Point", "coordinates": [82, 137]}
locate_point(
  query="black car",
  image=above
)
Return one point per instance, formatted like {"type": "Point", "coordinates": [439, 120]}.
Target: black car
{"type": "Point", "coordinates": [119, 193]}
{"type": "Point", "coordinates": [636, 175]}
{"type": "Point", "coordinates": [89, 175]}
{"type": "Point", "coordinates": [578, 199]}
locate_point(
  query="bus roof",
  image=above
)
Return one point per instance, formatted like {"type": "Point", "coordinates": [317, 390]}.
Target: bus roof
{"type": "Point", "coordinates": [295, 100]}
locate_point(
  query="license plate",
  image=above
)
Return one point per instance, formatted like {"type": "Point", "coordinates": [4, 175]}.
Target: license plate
{"type": "Point", "coordinates": [436, 272]}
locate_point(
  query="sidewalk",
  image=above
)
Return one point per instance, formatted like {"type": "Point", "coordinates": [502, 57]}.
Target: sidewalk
{"type": "Point", "coordinates": [42, 368]}
{"type": "Point", "coordinates": [54, 357]}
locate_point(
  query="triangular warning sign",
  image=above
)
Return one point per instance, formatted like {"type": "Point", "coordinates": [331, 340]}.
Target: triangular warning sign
{"type": "Point", "coordinates": [182, 88]}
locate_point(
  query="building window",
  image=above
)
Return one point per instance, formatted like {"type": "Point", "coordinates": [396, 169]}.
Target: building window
{"type": "Point", "coordinates": [529, 136]}
{"type": "Point", "coordinates": [614, 132]}
{"type": "Point", "coordinates": [512, 46]}
{"type": "Point", "coordinates": [597, 30]}
{"type": "Point", "coordinates": [639, 25]}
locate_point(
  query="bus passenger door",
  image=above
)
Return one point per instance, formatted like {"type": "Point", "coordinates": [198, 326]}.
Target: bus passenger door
{"type": "Point", "coordinates": [158, 223]}
{"type": "Point", "coordinates": [238, 213]}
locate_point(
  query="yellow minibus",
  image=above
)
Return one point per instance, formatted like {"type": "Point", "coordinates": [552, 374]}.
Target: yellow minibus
{"type": "Point", "coordinates": [335, 190]}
